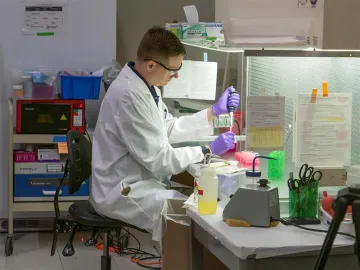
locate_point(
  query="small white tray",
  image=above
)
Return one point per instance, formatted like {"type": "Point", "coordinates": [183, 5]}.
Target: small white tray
{"type": "Point", "coordinates": [346, 226]}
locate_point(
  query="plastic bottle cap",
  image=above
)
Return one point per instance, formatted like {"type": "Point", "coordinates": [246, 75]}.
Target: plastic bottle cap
{"type": "Point", "coordinates": [17, 87]}
{"type": "Point", "coordinates": [252, 173]}
{"type": "Point", "coordinates": [263, 182]}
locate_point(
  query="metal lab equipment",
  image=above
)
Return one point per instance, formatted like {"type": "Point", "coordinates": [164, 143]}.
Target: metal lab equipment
{"type": "Point", "coordinates": [254, 204]}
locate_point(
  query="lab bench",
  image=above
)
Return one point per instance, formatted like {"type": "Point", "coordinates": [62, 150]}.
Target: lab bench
{"type": "Point", "coordinates": [27, 204]}
{"type": "Point", "coordinates": [257, 248]}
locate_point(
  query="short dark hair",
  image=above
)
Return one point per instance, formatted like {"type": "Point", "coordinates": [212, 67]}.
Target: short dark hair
{"type": "Point", "coordinates": [159, 43]}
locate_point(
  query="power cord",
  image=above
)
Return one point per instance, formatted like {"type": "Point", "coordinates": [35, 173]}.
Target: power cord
{"type": "Point", "coordinates": [86, 132]}
{"type": "Point", "coordinates": [238, 126]}
{"type": "Point", "coordinates": [309, 229]}
{"type": "Point", "coordinates": [118, 242]}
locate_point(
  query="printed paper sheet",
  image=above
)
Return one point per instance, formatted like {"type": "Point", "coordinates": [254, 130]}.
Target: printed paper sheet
{"type": "Point", "coordinates": [265, 122]}
{"type": "Point", "coordinates": [323, 130]}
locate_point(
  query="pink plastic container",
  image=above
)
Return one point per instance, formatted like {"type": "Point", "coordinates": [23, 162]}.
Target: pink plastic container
{"type": "Point", "coordinates": [246, 159]}
{"type": "Point", "coordinates": [43, 91]}
{"type": "Point", "coordinates": [24, 156]}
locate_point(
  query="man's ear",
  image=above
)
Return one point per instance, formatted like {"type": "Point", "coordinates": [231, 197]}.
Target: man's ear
{"type": "Point", "coordinates": [150, 66]}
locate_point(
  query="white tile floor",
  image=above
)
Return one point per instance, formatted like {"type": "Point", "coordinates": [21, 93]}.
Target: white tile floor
{"type": "Point", "coordinates": [32, 252]}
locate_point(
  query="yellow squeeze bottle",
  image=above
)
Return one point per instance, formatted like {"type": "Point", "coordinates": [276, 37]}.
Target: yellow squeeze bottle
{"type": "Point", "coordinates": [208, 191]}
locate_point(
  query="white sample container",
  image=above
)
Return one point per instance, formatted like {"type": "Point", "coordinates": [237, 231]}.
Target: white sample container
{"type": "Point", "coordinates": [27, 84]}
{"type": "Point", "coordinates": [346, 226]}
{"type": "Point", "coordinates": [18, 91]}
{"type": "Point", "coordinates": [208, 191]}
{"type": "Point", "coordinates": [229, 183]}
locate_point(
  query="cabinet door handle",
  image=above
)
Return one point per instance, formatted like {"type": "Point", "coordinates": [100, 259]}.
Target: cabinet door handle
{"type": "Point", "coordinates": [50, 192]}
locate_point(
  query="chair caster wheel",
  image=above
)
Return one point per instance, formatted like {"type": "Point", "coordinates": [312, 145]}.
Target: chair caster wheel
{"type": "Point", "coordinates": [90, 242]}
{"type": "Point", "coordinates": [68, 250]}
{"type": "Point", "coordinates": [9, 245]}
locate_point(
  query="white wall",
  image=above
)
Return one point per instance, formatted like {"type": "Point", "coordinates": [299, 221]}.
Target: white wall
{"type": "Point", "coordinates": [89, 41]}
{"type": "Point", "coordinates": [254, 9]}
{"type": "Point", "coordinates": [136, 16]}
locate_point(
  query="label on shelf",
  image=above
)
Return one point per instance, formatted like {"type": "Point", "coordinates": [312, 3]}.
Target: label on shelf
{"type": "Point", "coordinates": [62, 147]}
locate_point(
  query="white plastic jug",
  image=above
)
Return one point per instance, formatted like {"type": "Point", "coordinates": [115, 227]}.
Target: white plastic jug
{"type": "Point", "coordinates": [208, 191]}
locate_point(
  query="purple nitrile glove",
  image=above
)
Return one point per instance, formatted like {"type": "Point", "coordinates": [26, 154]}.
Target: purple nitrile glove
{"type": "Point", "coordinates": [225, 101]}
{"type": "Point", "coordinates": [223, 143]}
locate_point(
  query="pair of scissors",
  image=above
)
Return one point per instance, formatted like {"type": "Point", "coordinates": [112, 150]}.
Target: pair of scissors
{"type": "Point", "coordinates": [308, 175]}
{"type": "Point", "coordinates": [293, 184]}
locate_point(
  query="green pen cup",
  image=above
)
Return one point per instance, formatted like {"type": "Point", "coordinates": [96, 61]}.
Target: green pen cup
{"type": "Point", "coordinates": [304, 201]}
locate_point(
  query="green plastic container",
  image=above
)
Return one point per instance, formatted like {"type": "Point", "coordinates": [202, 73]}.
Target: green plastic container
{"type": "Point", "coordinates": [304, 202]}
{"type": "Point", "coordinates": [276, 167]}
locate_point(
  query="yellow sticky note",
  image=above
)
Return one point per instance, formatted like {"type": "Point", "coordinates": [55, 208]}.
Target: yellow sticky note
{"type": "Point", "coordinates": [62, 148]}
{"type": "Point", "coordinates": [266, 137]}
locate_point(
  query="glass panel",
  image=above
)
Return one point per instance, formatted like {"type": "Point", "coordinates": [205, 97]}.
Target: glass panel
{"type": "Point", "coordinates": [293, 75]}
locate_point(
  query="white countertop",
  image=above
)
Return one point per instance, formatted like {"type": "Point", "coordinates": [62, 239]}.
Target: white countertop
{"type": "Point", "coordinates": [263, 242]}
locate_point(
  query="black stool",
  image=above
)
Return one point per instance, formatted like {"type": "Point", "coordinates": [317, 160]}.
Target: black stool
{"type": "Point", "coordinates": [78, 170]}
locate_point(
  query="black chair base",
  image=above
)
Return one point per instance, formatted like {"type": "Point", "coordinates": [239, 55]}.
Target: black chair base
{"type": "Point", "coordinates": [82, 214]}
{"type": "Point", "coordinates": [92, 240]}
{"type": "Point", "coordinates": [68, 250]}
{"type": "Point", "coordinates": [105, 262]}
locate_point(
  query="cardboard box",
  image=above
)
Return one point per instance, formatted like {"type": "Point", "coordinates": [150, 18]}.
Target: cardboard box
{"type": "Point", "coordinates": [332, 177]}
{"type": "Point", "coordinates": [211, 262]}
{"type": "Point", "coordinates": [184, 178]}
{"type": "Point", "coordinates": [177, 241]}
{"type": "Point", "coordinates": [176, 238]}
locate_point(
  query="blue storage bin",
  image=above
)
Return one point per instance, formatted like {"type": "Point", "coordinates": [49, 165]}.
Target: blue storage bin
{"type": "Point", "coordinates": [80, 87]}
{"type": "Point", "coordinates": [37, 186]}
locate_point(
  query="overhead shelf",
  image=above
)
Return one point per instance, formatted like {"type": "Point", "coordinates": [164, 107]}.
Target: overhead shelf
{"type": "Point", "coordinates": [214, 48]}
{"type": "Point", "coordinates": [277, 51]}
{"type": "Point", "coordinates": [38, 138]}
{"type": "Point", "coordinates": [301, 53]}
{"type": "Point", "coordinates": [244, 48]}
{"type": "Point", "coordinates": [41, 138]}
{"type": "Point", "coordinates": [39, 206]}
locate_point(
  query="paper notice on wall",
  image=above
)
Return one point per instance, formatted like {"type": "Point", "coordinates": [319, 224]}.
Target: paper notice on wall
{"type": "Point", "coordinates": [43, 20]}
{"type": "Point", "coordinates": [265, 122]}
{"type": "Point", "coordinates": [196, 80]}
{"type": "Point", "coordinates": [323, 130]}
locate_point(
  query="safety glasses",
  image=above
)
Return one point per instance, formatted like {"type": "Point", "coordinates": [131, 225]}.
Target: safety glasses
{"type": "Point", "coordinates": [171, 71]}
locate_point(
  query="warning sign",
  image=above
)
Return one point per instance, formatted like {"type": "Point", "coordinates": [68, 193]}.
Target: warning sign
{"type": "Point", "coordinates": [63, 118]}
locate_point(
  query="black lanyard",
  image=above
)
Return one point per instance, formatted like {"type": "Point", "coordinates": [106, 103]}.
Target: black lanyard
{"type": "Point", "coordinates": [151, 88]}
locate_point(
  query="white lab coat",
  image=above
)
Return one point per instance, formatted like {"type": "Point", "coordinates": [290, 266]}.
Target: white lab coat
{"type": "Point", "coordinates": [131, 147]}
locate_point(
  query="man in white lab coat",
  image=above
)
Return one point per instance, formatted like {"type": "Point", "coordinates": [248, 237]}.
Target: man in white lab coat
{"type": "Point", "coordinates": [132, 149]}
